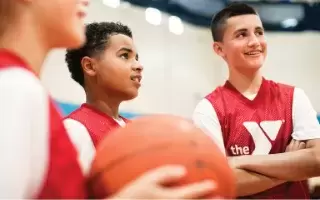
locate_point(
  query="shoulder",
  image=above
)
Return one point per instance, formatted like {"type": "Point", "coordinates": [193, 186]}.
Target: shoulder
{"type": "Point", "coordinates": [205, 113]}
{"type": "Point", "coordinates": [72, 124]}
{"type": "Point", "coordinates": [204, 106]}
{"type": "Point", "coordinates": [77, 132]}
{"type": "Point", "coordinates": [299, 93]}
{"type": "Point", "coordinates": [74, 113]}
{"type": "Point", "coordinates": [281, 90]}
{"type": "Point", "coordinates": [23, 93]}
{"type": "Point", "coordinates": [216, 93]}
{"type": "Point", "coordinates": [19, 81]}
{"type": "Point", "coordinates": [301, 102]}
{"type": "Point", "coordinates": [281, 86]}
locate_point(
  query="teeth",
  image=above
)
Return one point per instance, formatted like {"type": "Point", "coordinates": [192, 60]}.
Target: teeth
{"type": "Point", "coordinates": [254, 53]}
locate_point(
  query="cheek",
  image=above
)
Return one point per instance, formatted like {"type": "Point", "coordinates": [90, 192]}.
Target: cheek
{"type": "Point", "coordinates": [112, 72]}
{"type": "Point", "coordinates": [68, 27]}
{"type": "Point", "coordinates": [264, 46]}
{"type": "Point", "coordinates": [68, 19]}
{"type": "Point", "coordinates": [235, 51]}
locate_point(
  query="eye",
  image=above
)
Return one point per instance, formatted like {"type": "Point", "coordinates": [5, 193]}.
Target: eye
{"type": "Point", "coordinates": [241, 35]}
{"type": "Point", "coordinates": [124, 56]}
{"type": "Point", "coordinates": [259, 33]}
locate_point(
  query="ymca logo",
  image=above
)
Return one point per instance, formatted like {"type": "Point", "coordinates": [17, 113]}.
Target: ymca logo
{"type": "Point", "coordinates": [263, 134]}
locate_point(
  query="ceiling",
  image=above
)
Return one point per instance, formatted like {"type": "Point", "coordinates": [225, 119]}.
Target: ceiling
{"type": "Point", "coordinates": [277, 15]}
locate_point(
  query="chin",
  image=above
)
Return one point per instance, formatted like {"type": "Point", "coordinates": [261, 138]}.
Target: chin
{"type": "Point", "coordinates": [77, 41]}
{"type": "Point", "coordinates": [130, 95]}
{"type": "Point", "coordinates": [254, 65]}
{"type": "Point", "coordinates": [73, 42]}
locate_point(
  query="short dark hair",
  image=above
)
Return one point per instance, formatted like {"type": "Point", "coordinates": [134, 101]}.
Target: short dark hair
{"type": "Point", "coordinates": [220, 18]}
{"type": "Point", "coordinates": [97, 40]}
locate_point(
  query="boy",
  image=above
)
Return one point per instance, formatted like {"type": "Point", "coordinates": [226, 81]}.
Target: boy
{"type": "Point", "coordinates": [253, 119]}
{"type": "Point", "coordinates": [108, 69]}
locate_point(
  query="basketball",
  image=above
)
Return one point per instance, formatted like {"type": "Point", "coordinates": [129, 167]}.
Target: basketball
{"type": "Point", "coordinates": [153, 141]}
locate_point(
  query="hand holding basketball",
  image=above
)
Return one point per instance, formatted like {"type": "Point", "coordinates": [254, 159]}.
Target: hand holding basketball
{"type": "Point", "coordinates": [151, 186]}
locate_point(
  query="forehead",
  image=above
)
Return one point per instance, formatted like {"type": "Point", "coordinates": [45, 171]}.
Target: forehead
{"type": "Point", "coordinates": [249, 22]}
{"type": "Point", "coordinates": [118, 41]}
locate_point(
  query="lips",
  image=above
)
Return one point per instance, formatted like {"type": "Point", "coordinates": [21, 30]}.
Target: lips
{"type": "Point", "coordinates": [82, 14]}
{"type": "Point", "coordinates": [136, 78]}
{"type": "Point", "coordinates": [253, 53]}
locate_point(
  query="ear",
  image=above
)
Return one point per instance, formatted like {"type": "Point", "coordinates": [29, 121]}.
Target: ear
{"type": "Point", "coordinates": [88, 66]}
{"type": "Point", "coordinates": [218, 48]}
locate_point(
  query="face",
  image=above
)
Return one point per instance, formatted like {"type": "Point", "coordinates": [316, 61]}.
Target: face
{"type": "Point", "coordinates": [244, 45]}
{"type": "Point", "coordinates": [62, 21]}
{"type": "Point", "coordinates": [118, 71]}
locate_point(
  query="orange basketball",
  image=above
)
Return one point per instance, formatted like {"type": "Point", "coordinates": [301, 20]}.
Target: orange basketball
{"type": "Point", "coordinates": [153, 141]}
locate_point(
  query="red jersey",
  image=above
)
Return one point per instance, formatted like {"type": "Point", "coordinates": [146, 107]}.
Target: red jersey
{"type": "Point", "coordinates": [38, 158]}
{"type": "Point", "coordinates": [87, 126]}
{"type": "Point", "coordinates": [97, 123]}
{"type": "Point", "coordinates": [264, 125]}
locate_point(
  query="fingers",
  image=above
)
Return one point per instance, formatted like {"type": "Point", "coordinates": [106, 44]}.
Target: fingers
{"type": "Point", "coordinates": [295, 145]}
{"type": "Point", "coordinates": [165, 174]}
{"type": "Point", "coordinates": [302, 145]}
{"type": "Point", "coordinates": [194, 190]}
{"type": "Point", "coordinates": [290, 146]}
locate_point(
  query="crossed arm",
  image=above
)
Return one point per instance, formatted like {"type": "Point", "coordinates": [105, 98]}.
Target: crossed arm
{"type": "Point", "coordinates": [295, 166]}
{"type": "Point", "coordinates": [262, 171]}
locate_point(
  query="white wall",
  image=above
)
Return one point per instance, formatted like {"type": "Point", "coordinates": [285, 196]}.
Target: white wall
{"type": "Point", "coordinates": [181, 69]}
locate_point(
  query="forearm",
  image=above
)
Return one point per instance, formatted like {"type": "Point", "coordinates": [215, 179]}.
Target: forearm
{"type": "Point", "coordinates": [289, 166]}
{"type": "Point", "coordinates": [249, 183]}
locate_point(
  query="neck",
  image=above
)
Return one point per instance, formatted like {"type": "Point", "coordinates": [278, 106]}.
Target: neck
{"type": "Point", "coordinates": [248, 82]}
{"type": "Point", "coordinates": [103, 102]}
{"type": "Point", "coordinates": [23, 39]}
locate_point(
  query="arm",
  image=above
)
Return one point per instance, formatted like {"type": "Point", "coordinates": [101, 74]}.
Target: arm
{"type": "Point", "coordinates": [297, 165]}
{"type": "Point", "coordinates": [81, 139]}
{"type": "Point", "coordinates": [23, 135]}
{"type": "Point", "coordinates": [248, 183]}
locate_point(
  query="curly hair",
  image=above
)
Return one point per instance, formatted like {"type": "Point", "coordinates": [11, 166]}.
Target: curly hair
{"type": "Point", "coordinates": [97, 40]}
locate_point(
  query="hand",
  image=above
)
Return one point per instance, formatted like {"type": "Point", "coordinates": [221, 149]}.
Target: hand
{"type": "Point", "coordinates": [314, 186]}
{"type": "Point", "coordinates": [151, 186]}
{"type": "Point", "coordinates": [295, 145]}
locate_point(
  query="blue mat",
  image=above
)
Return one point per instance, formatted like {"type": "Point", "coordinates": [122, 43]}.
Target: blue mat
{"type": "Point", "coordinates": [67, 108]}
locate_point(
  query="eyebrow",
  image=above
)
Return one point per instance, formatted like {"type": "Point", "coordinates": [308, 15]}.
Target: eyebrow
{"type": "Point", "coordinates": [259, 28]}
{"type": "Point", "coordinates": [129, 51]}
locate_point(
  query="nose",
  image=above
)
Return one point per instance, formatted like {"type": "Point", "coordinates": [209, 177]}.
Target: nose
{"type": "Point", "coordinates": [137, 66]}
{"type": "Point", "coordinates": [253, 41]}
{"type": "Point", "coordinates": [85, 2]}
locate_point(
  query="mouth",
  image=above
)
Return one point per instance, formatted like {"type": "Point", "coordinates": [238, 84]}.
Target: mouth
{"type": "Point", "coordinates": [136, 78]}
{"type": "Point", "coordinates": [82, 14]}
{"type": "Point", "coordinates": [254, 53]}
